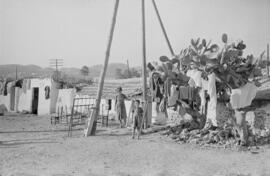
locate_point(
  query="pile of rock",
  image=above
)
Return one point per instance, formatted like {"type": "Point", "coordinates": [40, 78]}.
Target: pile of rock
{"type": "Point", "coordinates": [190, 131]}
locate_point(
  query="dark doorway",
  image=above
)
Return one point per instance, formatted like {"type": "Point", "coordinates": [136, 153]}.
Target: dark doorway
{"type": "Point", "coordinates": [35, 100]}
{"type": "Point", "coordinates": [12, 98]}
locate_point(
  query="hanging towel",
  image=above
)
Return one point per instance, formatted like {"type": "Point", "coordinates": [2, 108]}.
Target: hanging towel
{"type": "Point", "coordinates": [243, 96]}
{"type": "Point", "coordinates": [172, 100]}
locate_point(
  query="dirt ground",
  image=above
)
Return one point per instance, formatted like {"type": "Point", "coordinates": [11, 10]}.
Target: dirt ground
{"type": "Point", "coordinates": [30, 145]}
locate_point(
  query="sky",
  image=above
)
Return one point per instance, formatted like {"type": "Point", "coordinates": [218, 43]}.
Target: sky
{"type": "Point", "coordinates": [34, 31]}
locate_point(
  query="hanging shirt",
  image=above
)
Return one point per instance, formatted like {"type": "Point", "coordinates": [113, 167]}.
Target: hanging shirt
{"type": "Point", "coordinates": [243, 96]}
{"type": "Point", "coordinates": [196, 76]}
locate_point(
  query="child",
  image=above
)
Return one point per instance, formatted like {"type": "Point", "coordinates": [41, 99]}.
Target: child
{"type": "Point", "coordinates": [120, 107]}
{"type": "Point", "coordinates": [138, 115]}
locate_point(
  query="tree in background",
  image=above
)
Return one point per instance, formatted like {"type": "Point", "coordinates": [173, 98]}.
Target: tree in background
{"type": "Point", "coordinates": [125, 74]}
{"type": "Point", "coordinates": [84, 71]}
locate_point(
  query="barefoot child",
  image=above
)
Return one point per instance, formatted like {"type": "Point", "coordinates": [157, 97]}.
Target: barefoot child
{"type": "Point", "coordinates": [138, 115]}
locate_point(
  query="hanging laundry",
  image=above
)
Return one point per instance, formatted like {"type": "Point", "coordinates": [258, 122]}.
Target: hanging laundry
{"type": "Point", "coordinates": [47, 92]}
{"type": "Point", "coordinates": [167, 87]}
{"type": "Point", "coordinates": [9, 86]}
{"type": "Point", "coordinates": [196, 76]}
{"type": "Point", "coordinates": [172, 100]}
{"type": "Point", "coordinates": [155, 85]}
{"type": "Point", "coordinates": [19, 83]}
{"type": "Point", "coordinates": [243, 96]}
{"type": "Point", "coordinates": [187, 93]}
{"type": "Point", "coordinates": [212, 105]}
{"type": "Point", "coordinates": [191, 83]}
{"type": "Point", "coordinates": [2, 87]}
{"type": "Point", "coordinates": [5, 88]}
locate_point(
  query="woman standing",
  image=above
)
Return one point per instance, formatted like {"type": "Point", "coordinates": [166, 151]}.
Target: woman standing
{"type": "Point", "coordinates": [120, 107]}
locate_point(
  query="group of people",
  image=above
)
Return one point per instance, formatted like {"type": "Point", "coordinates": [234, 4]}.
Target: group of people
{"type": "Point", "coordinates": [121, 113]}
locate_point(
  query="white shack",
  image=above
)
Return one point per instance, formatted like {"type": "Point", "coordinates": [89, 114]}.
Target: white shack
{"type": "Point", "coordinates": [37, 96]}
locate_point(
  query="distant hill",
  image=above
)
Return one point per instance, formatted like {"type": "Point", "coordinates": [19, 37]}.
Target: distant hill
{"type": "Point", "coordinates": [36, 71]}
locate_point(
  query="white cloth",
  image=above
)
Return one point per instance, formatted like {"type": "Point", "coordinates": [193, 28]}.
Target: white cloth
{"type": "Point", "coordinates": [243, 96]}
{"type": "Point", "coordinates": [196, 76]}
{"type": "Point", "coordinates": [191, 83]}
{"type": "Point", "coordinates": [212, 105]}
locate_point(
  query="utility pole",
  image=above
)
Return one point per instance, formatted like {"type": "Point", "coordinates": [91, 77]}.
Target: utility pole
{"type": "Point", "coordinates": [91, 126]}
{"type": "Point", "coordinates": [56, 63]}
{"type": "Point", "coordinates": [267, 61]}
{"type": "Point", "coordinates": [128, 69]}
{"type": "Point", "coordinates": [144, 62]}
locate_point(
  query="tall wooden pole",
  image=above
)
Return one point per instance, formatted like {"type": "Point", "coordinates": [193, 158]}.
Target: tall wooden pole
{"type": "Point", "coordinates": [129, 75]}
{"type": "Point", "coordinates": [144, 54]}
{"type": "Point", "coordinates": [144, 64]}
{"type": "Point", "coordinates": [163, 28]}
{"type": "Point", "coordinates": [92, 122]}
{"type": "Point", "coordinates": [267, 66]}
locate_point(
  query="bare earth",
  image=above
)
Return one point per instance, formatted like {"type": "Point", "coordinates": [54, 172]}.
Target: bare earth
{"type": "Point", "coordinates": [30, 145]}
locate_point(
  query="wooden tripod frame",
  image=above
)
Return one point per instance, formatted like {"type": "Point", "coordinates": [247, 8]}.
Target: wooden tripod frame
{"type": "Point", "coordinates": [91, 126]}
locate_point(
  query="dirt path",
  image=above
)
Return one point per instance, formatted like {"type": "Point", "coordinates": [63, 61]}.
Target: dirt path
{"type": "Point", "coordinates": [31, 146]}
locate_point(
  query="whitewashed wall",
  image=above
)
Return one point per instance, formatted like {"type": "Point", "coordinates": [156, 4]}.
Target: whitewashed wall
{"type": "Point", "coordinates": [5, 100]}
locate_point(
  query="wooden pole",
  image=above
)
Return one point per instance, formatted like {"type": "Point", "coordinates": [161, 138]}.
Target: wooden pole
{"type": "Point", "coordinates": [267, 66]}
{"type": "Point", "coordinates": [92, 122]}
{"type": "Point", "coordinates": [163, 28]}
{"type": "Point", "coordinates": [144, 53]}
{"type": "Point", "coordinates": [144, 56]}
{"type": "Point", "coordinates": [129, 75]}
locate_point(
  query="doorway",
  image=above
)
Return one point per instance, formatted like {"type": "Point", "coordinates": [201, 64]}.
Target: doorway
{"type": "Point", "coordinates": [35, 100]}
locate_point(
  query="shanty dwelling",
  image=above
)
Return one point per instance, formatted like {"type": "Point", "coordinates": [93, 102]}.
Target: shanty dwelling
{"type": "Point", "coordinates": [36, 95]}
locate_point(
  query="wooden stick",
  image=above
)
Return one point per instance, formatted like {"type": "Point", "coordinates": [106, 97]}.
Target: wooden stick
{"type": "Point", "coordinates": [163, 28]}
{"type": "Point", "coordinates": [144, 54]}
{"type": "Point", "coordinates": [91, 127]}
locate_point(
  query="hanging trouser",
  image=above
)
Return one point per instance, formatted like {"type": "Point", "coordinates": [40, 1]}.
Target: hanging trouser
{"type": "Point", "coordinates": [241, 125]}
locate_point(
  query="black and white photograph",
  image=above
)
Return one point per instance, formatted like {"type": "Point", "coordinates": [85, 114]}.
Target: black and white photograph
{"type": "Point", "coordinates": [134, 88]}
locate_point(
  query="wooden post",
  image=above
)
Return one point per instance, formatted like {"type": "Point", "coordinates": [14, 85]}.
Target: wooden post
{"type": "Point", "coordinates": [91, 127]}
{"type": "Point", "coordinates": [129, 75]}
{"type": "Point", "coordinates": [267, 61]}
{"type": "Point", "coordinates": [144, 55]}
{"type": "Point", "coordinates": [163, 28]}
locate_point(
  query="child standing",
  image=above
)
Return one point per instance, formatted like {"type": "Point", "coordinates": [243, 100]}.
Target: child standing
{"type": "Point", "coordinates": [138, 117]}
{"type": "Point", "coordinates": [120, 107]}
